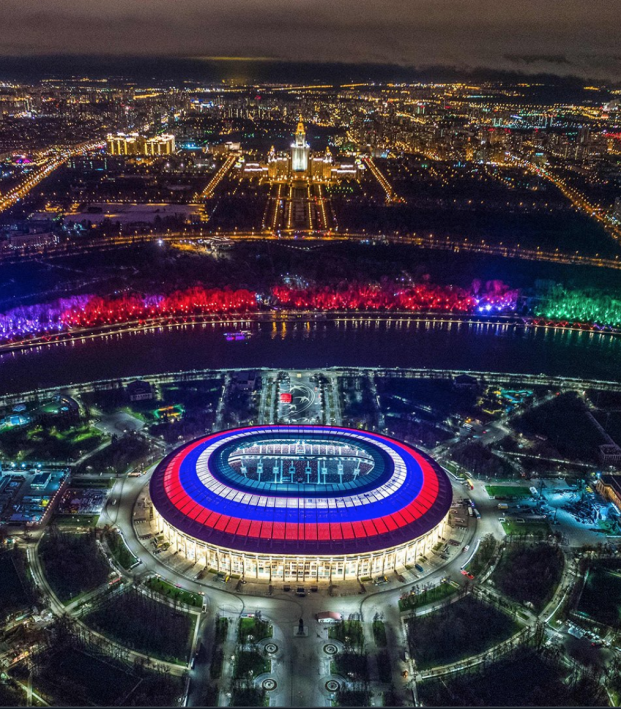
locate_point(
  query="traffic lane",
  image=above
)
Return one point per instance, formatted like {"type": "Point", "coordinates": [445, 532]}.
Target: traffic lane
{"type": "Point", "coordinates": [200, 675]}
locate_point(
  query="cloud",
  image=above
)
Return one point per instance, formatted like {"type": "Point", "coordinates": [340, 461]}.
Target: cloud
{"type": "Point", "coordinates": [563, 37]}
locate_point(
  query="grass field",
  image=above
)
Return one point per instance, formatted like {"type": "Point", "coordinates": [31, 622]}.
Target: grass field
{"type": "Point", "coordinates": [92, 482]}
{"type": "Point", "coordinates": [167, 589]}
{"type": "Point", "coordinates": [349, 632]}
{"type": "Point", "coordinates": [146, 625]}
{"type": "Point", "coordinates": [247, 661]}
{"type": "Point", "coordinates": [122, 555]}
{"type": "Point", "coordinates": [529, 572]}
{"type": "Point", "coordinates": [73, 676]}
{"type": "Point", "coordinates": [466, 627]}
{"type": "Point", "coordinates": [36, 442]}
{"type": "Point", "coordinates": [525, 679]}
{"type": "Point", "coordinates": [507, 491]}
{"type": "Point", "coordinates": [379, 633]}
{"type": "Point", "coordinates": [535, 528]}
{"type": "Point", "coordinates": [417, 600]}
{"type": "Point", "coordinates": [451, 467]}
{"type": "Point", "coordinates": [76, 520]}
{"type": "Point", "coordinates": [258, 629]}
{"type": "Point", "coordinates": [14, 596]}
{"type": "Point", "coordinates": [72, 563]}
{"type": "Point", "coordinates": [601, 596]}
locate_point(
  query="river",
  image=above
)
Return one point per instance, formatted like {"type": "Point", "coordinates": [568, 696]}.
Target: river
{"type": "Point", "coordinates": [302, 344]}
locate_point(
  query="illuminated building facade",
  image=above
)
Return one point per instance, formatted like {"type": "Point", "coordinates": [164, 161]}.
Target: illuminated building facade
{"type": "Point", "coordinates": [609, 487]}
{"type": "Point", "coordinates": [135, 144]}
{"type": "Point", "coordinates": [312, 503]}
{"type": "Point", "coordinates": [300, 151]}
{"type": "Point", "coordinates": [160, 145]}
{"type": "Point", "coordinates": [299, 164]}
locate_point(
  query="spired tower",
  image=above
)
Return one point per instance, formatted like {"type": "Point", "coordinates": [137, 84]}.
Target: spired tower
{"type": "Point", "coordinates": [299, 151]}
{"type": "Point", "coordinates": [272, 164]}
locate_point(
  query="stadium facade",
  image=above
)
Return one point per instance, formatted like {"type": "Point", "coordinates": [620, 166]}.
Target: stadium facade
{"type": "Point", "coordinates": [300, 503]}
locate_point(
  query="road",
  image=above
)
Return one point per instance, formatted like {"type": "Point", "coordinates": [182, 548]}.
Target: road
{"type": "Point", "coordinates": [53, 162]}
{"type": "Point", "coordinates": [501, 378]}
{"type": "Point", "coordinates": [425, 242]}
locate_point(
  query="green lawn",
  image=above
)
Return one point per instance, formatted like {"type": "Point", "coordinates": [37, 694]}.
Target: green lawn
{"type": "Point", "coordinates": [529, 572]}
{"type": "Point", "coordinates": [118, 457]}
{"type": "Point", "coordinates": [146, 625]}
{"type": "Point", "coordinates": [75, 677]}
{"type": "Point", "coordinates": [601, 595]}
{"type": "Point", "coordinates": [15, 584]}
{"type": "Point", "coordinates": [353, 698]}
{"type": "Point", "coordinates": [483, 556]}
{"type": "Point", "coordinates": [217, 661]}
{"type": "Point", "coordinates": [351, 664]}
{"type": "Point", "coordinates": [72, 562]}
{"type": "Point", "coordinates": [507, 491]}
{"type": "Point", "coordinates": [563, 421]}
{"type": "Point", "coordinates": [92, 482]}
{"type": "Point", "coordinates": [452, 468]}
{"type": "Point", "coordinates": [38, 442]}
{"type": "Point", "coordinates": [349, 632]}
{"type": "Point", "coordinates": [167, 589]}
{"type": "Point", "coordinates": [461, 629]}
{"type": "Point", "coordinates": [383, 666]}
{"type": "Point", "coordinates": [249, 697]}
{"type": "Point", "coordinates": [433, 595]}
{"type": "Point", "coordinates": [121, 554]}
{"type": "Point", "coordinates": [379, 633]}
{"type": "Point", "coordinates": [535, 528]}
{"type": "Point", "coordinates": [247, 661]}
{"type": "Point", "coordinates": [76, 520]}
{"type": "Point", "coordinates": [526, 678]}
{"type": "Point", "coordinates": [222, 629]}
{"type": "Point", "coordinates": [258, 629]}
{"type": "Point", "coordinates": [11, 695]}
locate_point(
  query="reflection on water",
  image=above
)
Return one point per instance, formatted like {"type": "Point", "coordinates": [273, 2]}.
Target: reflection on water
{"type": "Point", "coordinates": [365, 341]}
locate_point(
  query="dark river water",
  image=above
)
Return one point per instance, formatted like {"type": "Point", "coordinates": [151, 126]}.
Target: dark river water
{"type": "Point", "coordinates": [317, 344]}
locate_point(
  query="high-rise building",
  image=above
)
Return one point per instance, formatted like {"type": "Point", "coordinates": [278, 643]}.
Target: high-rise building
{"type": "Point", "coordinates": [278, 165]}
{"type": "Point", "coordinates": [136, 144]}
{"type": "Point", "coordinates": [160, 145]}
{"type": "Point", "coordinates": [299, 150]}
{"type": "Point", "coordinates": [123, 143]}
{"type": "Point", "coordinates": [321, 166]}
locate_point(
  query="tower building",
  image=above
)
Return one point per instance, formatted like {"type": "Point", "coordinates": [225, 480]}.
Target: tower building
{"type": "Point", "coordinates": [299, 150]}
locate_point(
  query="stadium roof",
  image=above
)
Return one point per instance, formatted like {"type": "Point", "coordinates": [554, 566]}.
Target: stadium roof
{"type": "Point", "coordinates": [405, 495]}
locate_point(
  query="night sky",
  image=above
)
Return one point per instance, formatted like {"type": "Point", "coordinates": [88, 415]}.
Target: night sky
{"type": "Point", "coordinates": [563, 37]}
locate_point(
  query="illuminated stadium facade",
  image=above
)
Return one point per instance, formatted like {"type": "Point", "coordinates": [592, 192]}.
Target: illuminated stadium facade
{"type": "Point", "coordinates": [303, 503]}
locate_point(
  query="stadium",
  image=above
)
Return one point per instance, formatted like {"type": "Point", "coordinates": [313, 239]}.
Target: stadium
{"type": "Point", "coordinates": [300, 503]}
